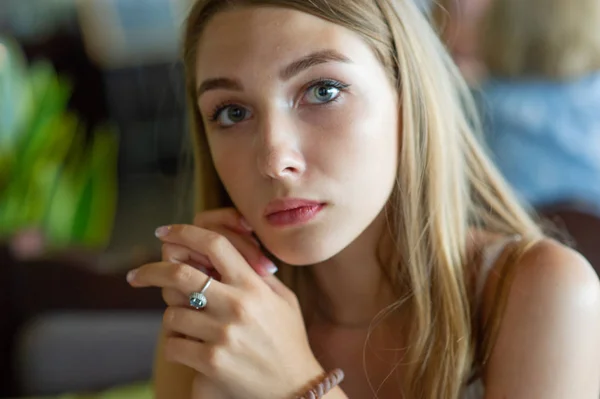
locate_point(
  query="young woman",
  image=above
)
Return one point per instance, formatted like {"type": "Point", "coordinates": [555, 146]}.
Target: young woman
{"type": "Point", "coordinates": [332, 139]}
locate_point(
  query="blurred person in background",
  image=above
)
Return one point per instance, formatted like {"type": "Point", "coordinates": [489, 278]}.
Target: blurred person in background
{"type": "Point", "coordinates": [459, 22]}
{"type": "Point", "coordinates": [541, 99]}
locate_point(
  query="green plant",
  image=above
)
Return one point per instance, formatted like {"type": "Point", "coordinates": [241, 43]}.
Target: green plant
{"type": "Point", "coordinates": [51, 176]}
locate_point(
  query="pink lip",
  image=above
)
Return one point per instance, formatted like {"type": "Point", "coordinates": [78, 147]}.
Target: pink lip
{"type": "Point", "coordinates": [292, 211]}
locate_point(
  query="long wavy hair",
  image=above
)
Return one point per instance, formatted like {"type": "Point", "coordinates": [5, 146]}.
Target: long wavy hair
{"type": "Point", "coordinates": [445, 188]}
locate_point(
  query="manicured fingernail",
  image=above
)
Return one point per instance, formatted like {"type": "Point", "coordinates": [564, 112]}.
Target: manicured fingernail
{"type": "Point", "coordinates": [269, 266]}
{"type": "Point", "coordinates": [244, 223]}
{"type": "Point", "coordinates": [131, 275]}
{"type": "Point", "coordinates": [162, 231]}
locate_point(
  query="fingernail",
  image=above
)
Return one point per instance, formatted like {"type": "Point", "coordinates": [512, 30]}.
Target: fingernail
{"type": "Point", "coordinates": [131, 275]}
{"type": "Point", "coordinates": [269, 266]}
{"type": "Point", "coordinates": [162, 231]}
{"type": "Point", "coordinates": [244, 223]}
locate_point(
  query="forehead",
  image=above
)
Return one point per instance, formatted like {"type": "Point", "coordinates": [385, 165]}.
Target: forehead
{"type": "Point", "coordinates": [267, 37]}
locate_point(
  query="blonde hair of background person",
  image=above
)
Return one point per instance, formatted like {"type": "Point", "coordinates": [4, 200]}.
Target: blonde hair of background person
{"type": "Point", "coordinates": [411, 201]}
{"type": "Point", "coordinates": [555, 39]}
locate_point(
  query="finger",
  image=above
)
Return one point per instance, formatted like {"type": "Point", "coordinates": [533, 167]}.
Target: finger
{"type": "Point", "coordinates": [227, 217]}
{"type": "Point", "coordinates": [243, 243]}
{"type": "Point", "coordinates": [192, 323]}
{"type": "Point", "coordinates": [198, 356]}
{"type": "Point", "coordinates": [251, 252]}
{"type": "Point", "coordinates": [180, 254]}
{"type": "Point", "coordinates": [221, 253]}
{"type": "Point", "coordinates": [180, 277]}
{"type": "Point", "coordinates": [173, 297]}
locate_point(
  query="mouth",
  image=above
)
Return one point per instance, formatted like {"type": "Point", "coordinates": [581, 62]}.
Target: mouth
{"type": "Point", "coordinates": [292, 212]}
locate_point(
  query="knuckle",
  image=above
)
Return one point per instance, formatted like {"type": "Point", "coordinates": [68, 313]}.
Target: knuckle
{"type": "Point", "coordinates": [224, 335]}
{"type": "Point", "coordinates": [215, 242]}
{"type": "Point", "coordinates": [184, 230]}
{"type": "Point", "coordinates": [181, 273]}
{"type": "Point", "coordinates": [169, 317]}
{"type": "Point", "coordinates": [167, 296]}
{"type": "Point", "coordinates": [214, 357]}
{"type": "Point", "coordinates": [257, 294]}
{"type": "Point", "coordinates": [167, 251]}
{"type": "Point", "coordinates": [240, 310]}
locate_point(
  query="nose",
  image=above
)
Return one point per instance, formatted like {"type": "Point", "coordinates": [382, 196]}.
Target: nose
{"type": "Point", "coordinates": [280, 156]}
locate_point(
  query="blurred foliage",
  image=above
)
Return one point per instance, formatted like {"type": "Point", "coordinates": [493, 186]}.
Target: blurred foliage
{"type": "Point", "coordinates": [55, 174]}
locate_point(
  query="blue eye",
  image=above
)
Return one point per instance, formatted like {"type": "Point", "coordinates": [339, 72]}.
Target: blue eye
{"type": "Point", "coordinates": [324, 91]}
{"type": "Point", "coordinates": [322, 94]}
{"type": "Point", "coordinates": [321, 91]}
{"type": "Point", "coordinates": [229, 115]}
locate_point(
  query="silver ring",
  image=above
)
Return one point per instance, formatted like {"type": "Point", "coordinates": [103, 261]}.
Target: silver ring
{"type": "Point", "coordinates": [198, 299]}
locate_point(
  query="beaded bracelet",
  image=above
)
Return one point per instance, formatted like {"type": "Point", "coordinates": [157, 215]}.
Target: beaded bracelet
{"type": "Point", "coordinates": [330, 381]}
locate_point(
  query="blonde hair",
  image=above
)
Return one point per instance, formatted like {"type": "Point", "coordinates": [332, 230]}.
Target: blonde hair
{"type": "Point", "coordinates": [555, 39]}
{"type": "Point", "coordinates": [445, 184]}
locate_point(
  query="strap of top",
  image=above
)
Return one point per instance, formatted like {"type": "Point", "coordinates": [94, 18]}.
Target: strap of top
{"type": "Point", "coordinates": [487, 329]}
{"type": "Point", "coordinates": [491, 255]}
{"type": "Point", "coordinates": [491, 324]}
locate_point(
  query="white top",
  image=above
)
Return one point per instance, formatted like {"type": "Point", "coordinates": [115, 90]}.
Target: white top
{"type": "Point", "coordinates": [476, 390]}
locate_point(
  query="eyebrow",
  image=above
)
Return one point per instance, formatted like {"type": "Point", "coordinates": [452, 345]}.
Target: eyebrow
{"type": "Point", "coordinates": [316, 58]}
{"type": "Point", "coordinates": [219, 83]}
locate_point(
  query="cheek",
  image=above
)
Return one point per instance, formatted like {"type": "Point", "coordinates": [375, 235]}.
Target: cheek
{"type": "Point", "coordinates": [232, 165]}
{"type": "Point", "coordinates": [359, 139]}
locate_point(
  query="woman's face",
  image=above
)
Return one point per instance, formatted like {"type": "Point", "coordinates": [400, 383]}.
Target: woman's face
{"type": "Point", "coordinates": [295, 107]}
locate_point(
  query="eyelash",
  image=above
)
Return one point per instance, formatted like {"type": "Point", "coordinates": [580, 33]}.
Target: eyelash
{"type": "Point", "coordinates": [218, 109]}
{"type": "Point", "coordinates": [214, 115]}
{"type": "Point", "coordinates": [327, 82]}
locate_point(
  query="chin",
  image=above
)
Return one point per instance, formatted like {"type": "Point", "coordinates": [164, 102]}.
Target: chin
{"type": "Point", "coordinates": [296, 258]}
{"type": "Point", "coordinates": [303, 251]}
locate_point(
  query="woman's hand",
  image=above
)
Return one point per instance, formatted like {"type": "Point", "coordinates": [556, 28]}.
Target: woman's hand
{"type": "Point", "coordinates": [250, 340]}
{"type": "Point", "coordinates": [229, 223]}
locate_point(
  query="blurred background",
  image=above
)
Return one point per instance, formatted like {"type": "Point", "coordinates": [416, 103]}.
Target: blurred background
{"type": "Point", "coordinates": [92, 128]}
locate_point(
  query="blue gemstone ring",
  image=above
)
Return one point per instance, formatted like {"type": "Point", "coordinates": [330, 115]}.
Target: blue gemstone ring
{"type": "Point", "coordinates": [198, 299]}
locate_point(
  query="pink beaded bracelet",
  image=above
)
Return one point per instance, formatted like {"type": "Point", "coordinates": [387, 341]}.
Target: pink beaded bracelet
{"type": "Point", "coordinates": [330, 381]}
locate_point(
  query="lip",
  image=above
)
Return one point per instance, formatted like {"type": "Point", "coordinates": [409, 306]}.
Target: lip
{"type": "Point", "coordinates": [292, 211]}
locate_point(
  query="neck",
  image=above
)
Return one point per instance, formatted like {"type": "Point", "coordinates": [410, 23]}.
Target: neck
{"type": "Point", "coordinates": [352, 287]}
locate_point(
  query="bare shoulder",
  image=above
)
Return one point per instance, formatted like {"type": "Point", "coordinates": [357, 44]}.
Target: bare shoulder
{"type": "Point", "coordinates": [554, 273]}
{"type": "Point", "coordinates": [548, 272]}
{"type": "Point", "coordinates": [549, 339]}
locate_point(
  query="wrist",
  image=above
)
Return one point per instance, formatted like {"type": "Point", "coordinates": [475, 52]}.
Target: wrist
{"type": "Point", "coordinates": [310, 377]}
{"type": "Point", "coordinates": [325, 385]}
